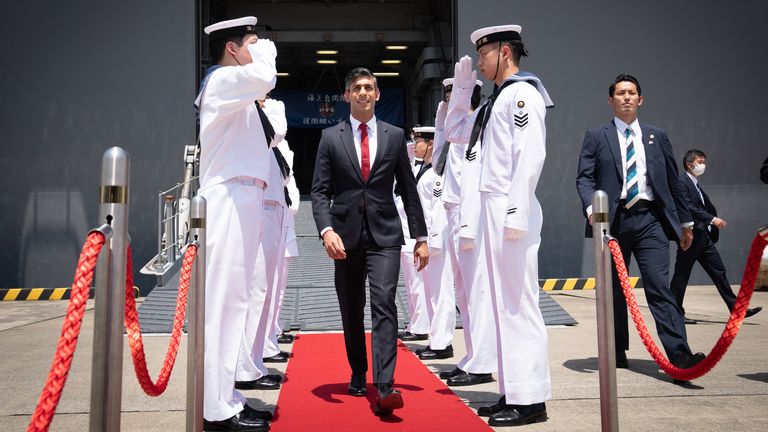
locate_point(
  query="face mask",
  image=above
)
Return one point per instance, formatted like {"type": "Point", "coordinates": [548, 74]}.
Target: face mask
{"type": "Point", "coordinates": [698, 169]}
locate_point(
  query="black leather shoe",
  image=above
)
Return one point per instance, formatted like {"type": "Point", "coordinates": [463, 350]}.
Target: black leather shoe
{"type": "Point", "coordinates": [621, 360]}
{"type": "Point", "coordinates": [753, 311]}
{"type": "Point", "coordinates": [518, 415]}
{"type": "Point", "coordinates": [280, 357]}
{"type": "Point", "coordinates": [408, 336]}
{"type": "Point", "coordinates": [433, 354]}
{"type": "Point", "coordinates": [689, 320]}
{"type": "Point", "coordinates": [275, 377]}
{"type": "Point", "coordinates": [448, 374]}
{"type": "Point", "coordinates": [357, 385]}
{"type": "Point", "coordinates": [389, 400]}
{"type": "Point", "coordinates": [259, 414]}
{"type": "Point", "coordinates": [285, 338]}
{"type": "Point", "coordinates": [683, 360]}
{"type": "Point", "coordinates": [487, 411]}
{"type": "Point", "coordinates": [263, 383]}
{"type": "Point", "coordinates": [468, 379]}
{"type": "Point", "coordinates": [244, 421]}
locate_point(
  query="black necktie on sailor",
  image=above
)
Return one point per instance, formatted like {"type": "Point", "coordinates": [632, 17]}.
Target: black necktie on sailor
{"type": "Point", "coordinates": [482, 118]}
{"type": "Point", "coordinates": [442, 158]}
{"type": "Point", "coordinates": [269, 135]}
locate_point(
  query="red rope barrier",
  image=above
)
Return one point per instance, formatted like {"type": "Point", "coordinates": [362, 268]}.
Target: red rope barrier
{"type": "Point", "coordinates": [731, 328]}
{"type": "Point", "coordinates": [134, 329]}
{"type": "Point", "coordinates": [70, 331]}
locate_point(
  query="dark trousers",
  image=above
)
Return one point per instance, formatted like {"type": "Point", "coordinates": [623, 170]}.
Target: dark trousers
{"type": "Point", "coordinates": [640, 233]}
{"type": "Point", "coordinates": [704, 251]}
{"type": "Point", "coordinates": [381, 266]}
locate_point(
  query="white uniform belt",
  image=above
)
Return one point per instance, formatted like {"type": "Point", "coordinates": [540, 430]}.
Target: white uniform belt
{"type": "Point", "coordinates": [250, 181]}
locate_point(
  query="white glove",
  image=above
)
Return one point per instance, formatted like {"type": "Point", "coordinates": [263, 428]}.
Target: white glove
{"type": "Point", "coordinates": [273, 107]}
{"type": "Point", "coordinates": [464, 76]}
{"type": "Point", "coordinates": [410, 147]}
{"type": "Point", "coordinates": [513, 234]}
{"type": "Point", "coordinates": [466, 243]}
{"type": "Point", "coordinates": [264, 46]}
{"type": "Point", "coordinates": [442, 112]}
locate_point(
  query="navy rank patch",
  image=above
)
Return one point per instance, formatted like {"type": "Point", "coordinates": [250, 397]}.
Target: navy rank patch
{"type": "Point", "coordinates": [520, 104]}
{"type": "Point", "coordinates": [521, 119]}
{"type": "Point", "coordinates": [471, 156]}
{"type": "Point", "coordinates": [511, 210]}
{"type": "Point", "coordinates": [437, 193]}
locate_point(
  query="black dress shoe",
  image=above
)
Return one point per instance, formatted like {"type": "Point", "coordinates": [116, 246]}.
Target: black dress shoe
{"type": "Point", "coordinates": [259, 414]}
{"type": "Point", "coordinates": [280, 357]}
{"type": "Point", "coordinates": [357, 385]}
{"type": "Point", "coordinates": [468, 379]}
{"type": "Point", "coordinates": [753, 311]}
{"type": "Point", "coordinates": [275, 377]}
{"type": "Point", "coordinates": [285, 338]}
{"type": "Point", "coordinates": [263, 383]}
{"type": "Point", "coordinates": [389, 400]}
{"type": "Point", "coordinates": [487, 411]}
{"type": "Point", "coordinates": [244, 421]}
{"type": "Point", "coordinates": [683, 360]}
{"type": "Point", "coordinates": [689, 320]}
{"type": "Point", "coordinates": [408, 336]}
{"type": "Point", "coordinates": [448, 374]}
{"type": "Point", "coordinates": [621, 360]}
{"type": "Point", "coordinates": [433, 354]}
{"type": "Point", "coordinates": [517, 415]}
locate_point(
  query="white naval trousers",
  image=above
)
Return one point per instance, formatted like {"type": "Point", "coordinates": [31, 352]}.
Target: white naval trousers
{"type": "Point", "coordinates": [441, 300]}
{"type": "Point", "coordinates": [274, 242]}
{"type": "Point", "coordinates": [234, 216]}
{"type": "Point", "coordinates": [250, 364]}
{"type": "Point", "coordinates": [282, 283]}
{"type": "Point", "coordinates": [418, 322]}
{"type": "Point", "coordinates": [513, 273]}
{"type": "Point", "coordinates": [473, 297]}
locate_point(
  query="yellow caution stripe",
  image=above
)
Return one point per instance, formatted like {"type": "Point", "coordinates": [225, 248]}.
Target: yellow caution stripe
{"type": "Point", "coordinates": [571, 284]}
{"type": "Point", "coordinates": [31, 294]}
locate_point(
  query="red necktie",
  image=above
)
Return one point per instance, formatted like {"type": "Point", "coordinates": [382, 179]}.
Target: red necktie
{"type": "Point", "coordinates": [365, 159]}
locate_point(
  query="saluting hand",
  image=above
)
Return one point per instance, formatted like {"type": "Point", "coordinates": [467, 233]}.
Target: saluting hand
{"type": "Point", "coordinates": [420, 255]}
{"type": "Point", "coordinates": [334, 247]}
{"type": "Point", "coordinates": [687, 239]}
{"type": "Point", "coordinates": [464, 76]}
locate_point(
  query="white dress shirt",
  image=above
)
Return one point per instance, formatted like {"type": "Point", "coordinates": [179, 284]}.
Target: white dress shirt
{"type": "Point", "coordinates": [372, 140]}
{"type": "Point", "coordinates": [644, 189]}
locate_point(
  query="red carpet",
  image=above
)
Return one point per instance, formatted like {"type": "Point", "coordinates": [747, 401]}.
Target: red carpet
{"type": "Point", "coordinates": [314, 396]}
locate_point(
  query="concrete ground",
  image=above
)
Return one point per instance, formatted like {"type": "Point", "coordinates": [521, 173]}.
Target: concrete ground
{"type": "Point", "coordinates": [731, 397]}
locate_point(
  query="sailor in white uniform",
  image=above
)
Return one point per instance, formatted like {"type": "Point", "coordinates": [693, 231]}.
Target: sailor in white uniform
{"type": "Point", "coordinates": [461, 200]}
{"type": "Point", "coordinates": [234, 171]}
{"type": "Point", "coordinates": [418, 320]}
{"type": "Point", "coordinates": [511, 131]}
{"type": "Point", "coordinates": [291, 247]}
{"type": "Point", "coordinates": [438, 277]}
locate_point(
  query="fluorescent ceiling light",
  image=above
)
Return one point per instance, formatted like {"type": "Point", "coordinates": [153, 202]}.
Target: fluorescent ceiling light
{"type": "Point", "coordinates": [391, 61]}
{"type": "Point", "coordinates": [327, 52]}
{"type": "Point", "coordinates": [396, 47]}
{"type": "Point", "coordinates": [386, 74]}
{"type": "Point", "coordinates": [326, 61]}
{"type": "Point", "coordinates": [283, 74]}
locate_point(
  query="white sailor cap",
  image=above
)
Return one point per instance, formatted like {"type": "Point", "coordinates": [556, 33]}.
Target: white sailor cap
{"type": "Point", "coordinates": [230, 28]}
{"type": "Point", "coordinates": [425, 132]}
{"type": "Point", "coordinates": [502, 33]}
{"type": "Point", "coordinates": [448, 83]}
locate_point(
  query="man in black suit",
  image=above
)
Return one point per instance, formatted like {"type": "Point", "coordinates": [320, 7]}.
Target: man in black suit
{"type": "Point", "coordinates": [353, 203]}
{"type": "Point", "coordinates": [648, 208]}
{"type": "Point", "coordinates": [706, 231]}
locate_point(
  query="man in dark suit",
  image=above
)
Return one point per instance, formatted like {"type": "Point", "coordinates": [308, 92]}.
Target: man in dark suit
{"type": "Point", "coordinates": [353, 203]}
{"type": "Point", "coordinates": [706, 231]}
{"type": "Point", "coordinates": [648, 208]}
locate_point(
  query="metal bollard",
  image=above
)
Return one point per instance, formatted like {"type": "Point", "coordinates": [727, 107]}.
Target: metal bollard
{"type": "Point", "coordinates": [106, 375]}
{"type": "Point", "coordinates": [606, 345]}
{"type": "Point", "coordinates": [196, 326]}
{"type": "Point", "coordinates": [169, 225]}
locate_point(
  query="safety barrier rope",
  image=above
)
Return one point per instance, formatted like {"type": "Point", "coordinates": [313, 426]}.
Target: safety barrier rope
{"type": "Point", "coordinates": [731, 328]}
{"type": "Point", "coordinates": [134, 329]}
{"type": "Point", "coordinates": [70, 331]}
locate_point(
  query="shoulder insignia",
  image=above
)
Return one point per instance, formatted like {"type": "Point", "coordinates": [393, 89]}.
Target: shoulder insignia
{"type": "Point", "coordinates": [471, 156]}
{"type": "Point", "coordinates": [521, 119]}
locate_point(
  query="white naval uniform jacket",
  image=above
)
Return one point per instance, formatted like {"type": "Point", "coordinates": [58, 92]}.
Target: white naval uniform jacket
{"type": "Point", "coordinates": [231, 135]}
{"type": "Point", "coordinates": [430, 188]}
{"type": "Point", "coordinates": [513, 146]}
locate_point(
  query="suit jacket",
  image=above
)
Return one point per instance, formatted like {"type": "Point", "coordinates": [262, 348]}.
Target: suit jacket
{"type": "Point", "coordinates": [702, 213]}
{"type": "Point", "coordinates": [340, 198]}
{"type": "Point", "coordinates": [600, 168]}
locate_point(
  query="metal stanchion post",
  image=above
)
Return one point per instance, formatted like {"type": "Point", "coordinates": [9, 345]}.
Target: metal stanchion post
{"type": "Point", "coordinates": [106, 375]}
{"type": "Point", "coordinates": [169, 224]}
{"type": "Point", "coordinates": [606, 346]}
{"type": "Point", "coordinates": [196, 326]}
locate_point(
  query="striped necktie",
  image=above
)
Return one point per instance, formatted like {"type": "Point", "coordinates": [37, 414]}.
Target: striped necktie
{"type": "Point", "coordinates": [632, 180]}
